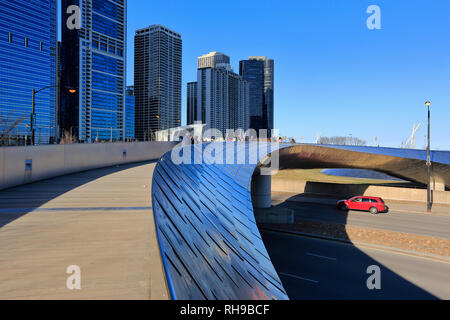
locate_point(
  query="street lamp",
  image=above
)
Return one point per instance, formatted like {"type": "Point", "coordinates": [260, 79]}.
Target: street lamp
{"type": "Point", "coordinates": [51, 134]}
{"type": "Point", "coordinates": [428, 103]}
{"type": "Point", "coordinates": [179, 123]}
{"type": "Point", "coordinates": [158, 117]}
{"type": "Point", "coordinates": [168, 127]}
{"type": "Point", "coordinates": [33, 107]}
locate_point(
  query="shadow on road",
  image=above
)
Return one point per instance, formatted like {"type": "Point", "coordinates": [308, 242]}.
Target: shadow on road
{"type": "Point", "coordinates": [311, 268]}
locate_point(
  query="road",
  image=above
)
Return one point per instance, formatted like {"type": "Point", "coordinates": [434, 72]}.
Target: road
{"type": "Point", "coordinates": [320, 269]}
{"type": "Point", "coordinates": [415, 223]}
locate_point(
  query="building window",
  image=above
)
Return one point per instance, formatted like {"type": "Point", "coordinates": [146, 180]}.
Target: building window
{"type": "Point", "coordinates": [26, 42]}
{"type": "Point", "coordinates": [10, 37]}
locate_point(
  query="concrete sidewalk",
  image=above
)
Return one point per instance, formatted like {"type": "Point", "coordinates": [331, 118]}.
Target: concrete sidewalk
{"type": "Point", "coordinates": [400, 206]}
{"type": "Point", "coordinates": [99, 220]}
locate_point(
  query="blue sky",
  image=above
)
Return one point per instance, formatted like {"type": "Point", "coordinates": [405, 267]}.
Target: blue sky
{"type": "Point", "coordinates": [333, 75]}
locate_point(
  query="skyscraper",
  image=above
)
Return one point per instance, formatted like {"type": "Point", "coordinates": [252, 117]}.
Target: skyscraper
{"type": "Point", "coordinates": [192, 106]}
{"type": "Point", "coordinates": [28, 42]}
{"type": "Point", "coordinates": [223, 96]}
{"type": "Point", "coordinates": [157, 80]}
{"type": "Point", "coordinates": [94, 62]}
{"type": "Point", "coordinates": [129, 114]}
{"type": "Point", "coordinates": [213, 60]}
{"type": "Point", "coordinates": [259, 72]}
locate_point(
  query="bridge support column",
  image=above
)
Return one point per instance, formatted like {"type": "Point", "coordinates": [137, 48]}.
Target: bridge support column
{"type": "Point", "coordinates": [261, 191]}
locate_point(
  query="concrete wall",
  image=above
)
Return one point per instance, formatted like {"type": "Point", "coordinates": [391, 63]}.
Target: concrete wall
{"type": "Point", "coordinates": [56, 160]}
{"type": "Point", "coordinates": [347, 190]}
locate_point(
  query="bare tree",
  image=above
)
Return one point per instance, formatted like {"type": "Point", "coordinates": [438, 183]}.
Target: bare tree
{"type": "Point", "coordinates": [7, 126]}
{"type": "Point", "coordinates": [344, 141]}
{"type": "Point", "coordinates": [151, 135]}
{"type": "Point", "coordinates": [68, 137]}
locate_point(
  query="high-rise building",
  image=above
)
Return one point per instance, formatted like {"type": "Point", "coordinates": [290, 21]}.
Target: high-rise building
{"type": "Point", "coordinates": [223, 96]}
{"type": "Point", "coordinates": [129, 114]}
{"type": "Point", "coordinates": [28, 44]}
{"type": "Point", "coordinates": [192, 106]}
{"type": "Point", "coordinates": [94, 62]}
{"type": "Point", "coordinates": [157, 80]}
{"type": "Point", "coordinates": [214, 60]}
{"type": "Point", "coordinates": [259, 72]}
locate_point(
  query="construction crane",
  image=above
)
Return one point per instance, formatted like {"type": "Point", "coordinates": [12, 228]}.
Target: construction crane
{"type": "Point", "coordinates": [411, 142]}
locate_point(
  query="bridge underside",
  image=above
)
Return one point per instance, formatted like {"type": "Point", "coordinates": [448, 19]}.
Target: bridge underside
{"type": "Point", "coordinates": [406, 168]}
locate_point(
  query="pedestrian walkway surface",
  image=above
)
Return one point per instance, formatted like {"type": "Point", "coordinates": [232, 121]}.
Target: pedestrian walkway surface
{"type": "Point", "coordinates": [99, 220]}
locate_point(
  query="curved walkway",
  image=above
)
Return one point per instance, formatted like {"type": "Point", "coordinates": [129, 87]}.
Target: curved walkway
{"type": "Point", "coordinates": [99, 220]}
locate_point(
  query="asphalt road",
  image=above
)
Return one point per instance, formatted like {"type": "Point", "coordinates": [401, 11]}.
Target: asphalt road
{"type": "Point", "coordinates": [320, 269]}
{"type": "Point", "coordinates": [416, 223]}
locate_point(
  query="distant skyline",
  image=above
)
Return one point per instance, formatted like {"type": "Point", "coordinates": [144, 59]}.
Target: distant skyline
{"type": "Point", "coordinates": [333, 76]}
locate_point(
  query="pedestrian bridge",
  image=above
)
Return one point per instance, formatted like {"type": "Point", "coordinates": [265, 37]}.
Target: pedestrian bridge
{"type": "Point", "coordinates": [210, 243]}
{"type": "Point", "coordinates": [185, 232]}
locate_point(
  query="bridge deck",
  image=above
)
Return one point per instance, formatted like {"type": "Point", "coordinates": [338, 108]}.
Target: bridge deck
{"type": "Point", "coordinates": [99, 220]}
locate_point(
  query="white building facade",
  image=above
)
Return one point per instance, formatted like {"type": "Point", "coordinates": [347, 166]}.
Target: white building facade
{"type": "Point", "coordinates": [223, 96]}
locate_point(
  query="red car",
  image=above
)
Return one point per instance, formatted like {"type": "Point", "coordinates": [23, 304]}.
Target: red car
{"type": "Point", "coordinates": [374, 205]}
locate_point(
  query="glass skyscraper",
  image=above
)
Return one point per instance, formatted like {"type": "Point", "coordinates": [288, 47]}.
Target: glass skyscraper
{"type": "Point", "coordinates": [157, 80]}
{"type": "Point", "coordinates": [28, 42]}
{"type": "Point", "coordinates": [129, 114]}
{"type": "Point", "coordinates": [94, 61]}
{"type": "Point", "coordinates": [259, 72]}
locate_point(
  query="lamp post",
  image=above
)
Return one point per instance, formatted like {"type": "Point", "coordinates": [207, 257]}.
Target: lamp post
{"type": "Point", "coordinates": [159, 118]}
{"type": "Point", "coordinates": [168, 130]}
{"type": "Point", "coordinates": [168, 126]}
{"type": "Point", "coordinates": [26, 135]}
{"type": "Point", "coordinates": [51, 135]}
{"type": "Point", "coordinates": [179, 124]}
{"type": "Point", "coordinates": [428, 103]}
{"type": "Point", "coordinates": [33, 108]}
